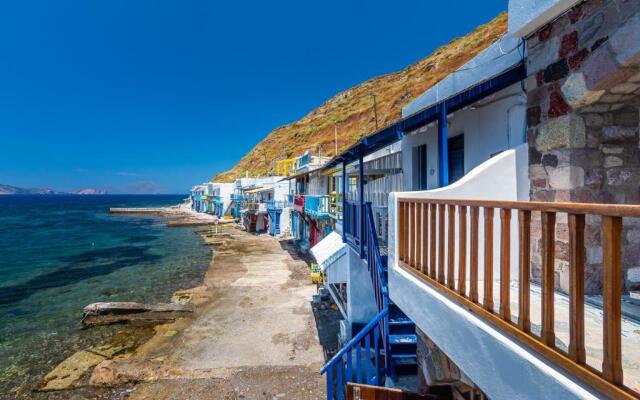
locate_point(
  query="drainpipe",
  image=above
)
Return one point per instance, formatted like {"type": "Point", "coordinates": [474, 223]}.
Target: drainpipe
{"type": "Point", "coordinates": [361, 201]}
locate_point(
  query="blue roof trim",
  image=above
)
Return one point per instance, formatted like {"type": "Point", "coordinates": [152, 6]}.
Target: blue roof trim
{"type": "Point", "coordinates": [393, 133]}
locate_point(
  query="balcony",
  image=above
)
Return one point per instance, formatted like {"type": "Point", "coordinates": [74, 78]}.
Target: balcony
{"type": "Point", "coordinates": [275, 205]}
{"type": "Point", "coordinates": [507, 278]}
{"type": "Point", "coordinates": [317, 206]}
{"type": "Point", "coordinates": [256, 207]}
{"type": "Point", "coordinates": [335, 205]}
{"type": "Point", "coordinates": [298, 203]}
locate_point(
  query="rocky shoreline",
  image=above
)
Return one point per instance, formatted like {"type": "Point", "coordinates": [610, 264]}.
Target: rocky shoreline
{"type": "Point", "coordinates": [72, 376]}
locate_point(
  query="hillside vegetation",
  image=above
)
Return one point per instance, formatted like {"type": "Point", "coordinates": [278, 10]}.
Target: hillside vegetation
{"type": "Point", "coordinates": [351, 111]}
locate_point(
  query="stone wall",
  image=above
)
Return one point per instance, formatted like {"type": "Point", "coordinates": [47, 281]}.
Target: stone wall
{"type": "Point", "coordinates": [436, 370]}
{"type": "Point", "coordinates": [583, 99]}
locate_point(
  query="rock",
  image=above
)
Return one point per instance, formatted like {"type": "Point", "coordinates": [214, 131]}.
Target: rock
{"type": "Point", "coordinates": [567, 131]}
{"type": "Point", "coordinates": [612, 161]}
{"type": "Point", "coordinates": [108, 350]}
{"type": "Point", "coordinates": [566, 178]}
{"type": "Point", "coordinates": [120, 372]}
{"type": "Point", "coordinates": [68, 372]}
{"type": "Point", "coordinates": [181, 297]}
{"type": "Point", "coordinates": [109, 313]}
{"type": "Point", "coordinates": [615, 134]}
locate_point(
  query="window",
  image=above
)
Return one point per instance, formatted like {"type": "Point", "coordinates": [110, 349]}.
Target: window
{"type": "Point", "coordinates": [419, 167]}
{"type": "Point", "coordinates": [456, 158]}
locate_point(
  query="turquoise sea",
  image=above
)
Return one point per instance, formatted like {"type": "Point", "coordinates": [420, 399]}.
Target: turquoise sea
{"type": "Point", "coordinates": [60, 253]}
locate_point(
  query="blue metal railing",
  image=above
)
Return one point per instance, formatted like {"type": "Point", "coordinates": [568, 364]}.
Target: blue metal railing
{"type": "Point", "coordinates": [352, 224]}
{"type": "Point", "coordinates": [317, 206]}
{"type": "Point", "coordinates": [365, 348]}
{"type": "Point", "coordinates": [276, 204]}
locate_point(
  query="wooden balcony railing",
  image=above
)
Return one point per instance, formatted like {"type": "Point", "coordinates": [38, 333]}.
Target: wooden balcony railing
{"type": "Point", "coordinates": [423, 248]}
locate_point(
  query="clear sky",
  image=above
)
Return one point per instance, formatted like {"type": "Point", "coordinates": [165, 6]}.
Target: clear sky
{"type": "Point", "coordinates": [151, 95]}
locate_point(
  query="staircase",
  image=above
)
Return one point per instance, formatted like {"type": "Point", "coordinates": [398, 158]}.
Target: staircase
{"type": "Point", "coordinates": [391, 335]}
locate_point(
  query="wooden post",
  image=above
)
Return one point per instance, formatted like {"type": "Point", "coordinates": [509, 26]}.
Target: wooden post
{"type": "Point", "coordinates": [488, 259]}
{"type": "Point", "coordinates": [425, 238]}
{"type": "Point", "coordinates": [432, 244]}
{"type": "Point", "coordinates": [548, 277]}
{"type": "Point", "coordinates": [451, 243]}
{"type": "Point", "coordinates": [524, 263]}
{"type": "Point", "coordinates": [462, 250]}
{"type": "Point", "coordinates": [505, 263]}
{"type": "Point", "coordinates": [611, 298]}
{"type": "Point", "coordinates": [441, 241]}
{"type": "Point", "coordinates": [473, 266]}
{"type": "Point", "coordinates": [576, 288]}
{"type": "Point", "coordinates": [401, 224]}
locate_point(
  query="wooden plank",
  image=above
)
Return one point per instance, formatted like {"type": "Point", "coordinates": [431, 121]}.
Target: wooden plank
{"type": "Point", "coordinates": [524, 264]}
{"type": "Point", "coordinates": [432, 244]}
{"type": "Point", "coordinates": [548, 277]}
{"type": "Point", "coordinates": [587, 375]}
{"type": "Point", "coordinates": [451, 247]}
{"type": "Point", "coordinates": [611, 298]}
{"type": "Point", "coordinates": [357, 391]}
{"type": "Point", "coordinates": [488, 259]}
{"type": "Point", "coordinates": [418, 243]}
{"type": "Point", "coordinates": [441, 240]}
{"type": "Point", "coordinates": [613, 210]}
{"type": "Point", "coordinates": [462, 250]}
{"type": "Point", "coordinates": [412, 234]}
{"type": "Point", "coordinates": [424, 266]}
{"type": "Point", "coordinates": [505, 263]}
{"type": "Point", "coordinates": [576, 288]}
{"type": "Point", "coordinates": [402, 224]}
{"type": "Point", "coordinates": [473, 262]}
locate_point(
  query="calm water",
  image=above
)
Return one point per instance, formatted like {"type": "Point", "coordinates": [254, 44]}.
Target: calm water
{"type": "Point", "coordinates": [60, 253]}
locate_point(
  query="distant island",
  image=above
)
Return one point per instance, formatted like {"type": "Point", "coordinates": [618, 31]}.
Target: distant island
{"type": "Point", "coordinates": [14, 190]}
{"type": "Point", "coordinates": [90, 191]}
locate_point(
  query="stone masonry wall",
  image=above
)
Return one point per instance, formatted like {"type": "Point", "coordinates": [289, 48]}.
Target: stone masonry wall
{"type": "Point", "coordinates": [583, 116]}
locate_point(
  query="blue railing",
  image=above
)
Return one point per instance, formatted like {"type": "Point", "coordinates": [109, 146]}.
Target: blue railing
{"type": "Point", "coordinates": [276, 204]}
{"type": "Point", "coordinates": [317, 206]}
{"type": "Point", "coordinates": [352, 224]}
{"type": "Point", "coordinates": [363, 350]}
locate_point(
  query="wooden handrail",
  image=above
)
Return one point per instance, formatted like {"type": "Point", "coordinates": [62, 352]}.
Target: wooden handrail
{"type": "Point", "coordinates": [612, 210]}
{"type": "Point", "coordinates": [450, 215]}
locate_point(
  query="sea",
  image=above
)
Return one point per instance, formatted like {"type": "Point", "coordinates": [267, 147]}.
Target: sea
{"type": "Point", "coordinates": [59, 253]}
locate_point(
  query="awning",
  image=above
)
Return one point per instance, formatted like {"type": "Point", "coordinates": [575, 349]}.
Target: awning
{"type": "Point", "coordinates": [260, 189]}
{"type": "Point", "coordinates": [328, 252]}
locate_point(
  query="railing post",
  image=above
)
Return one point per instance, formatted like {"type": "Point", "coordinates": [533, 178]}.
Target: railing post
{"type": "Point", "coordinates": [548, 277]}
{"type": "Point", "coordinates": [611, 298]}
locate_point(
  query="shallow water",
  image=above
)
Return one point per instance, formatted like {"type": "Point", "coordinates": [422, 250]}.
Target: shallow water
{"type": "Point", "coordinates": [60, 253]}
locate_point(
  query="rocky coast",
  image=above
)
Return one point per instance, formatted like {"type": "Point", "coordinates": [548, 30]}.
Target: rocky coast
{"type": "Point", "coordinates": [251, 335]}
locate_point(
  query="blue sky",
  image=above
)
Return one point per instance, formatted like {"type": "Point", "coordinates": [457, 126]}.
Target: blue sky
{"type": "Point", "coordinates": [149, 95]}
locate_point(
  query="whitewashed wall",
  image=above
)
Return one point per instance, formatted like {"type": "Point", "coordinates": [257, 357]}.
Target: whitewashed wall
{"type": "Point", "coordinates": [496, 123]}
{"type": "Point", "coordinates": [502, 368]}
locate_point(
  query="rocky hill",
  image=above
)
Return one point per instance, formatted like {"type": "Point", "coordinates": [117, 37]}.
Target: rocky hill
{"type": "Point", "coordinates": [7, 190]}
{"type": "Point", "coordinates": [351, 111]}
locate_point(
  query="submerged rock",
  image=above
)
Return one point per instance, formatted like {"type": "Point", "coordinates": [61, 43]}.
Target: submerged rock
{"type": "Point", "coordinates": [67, 374]}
